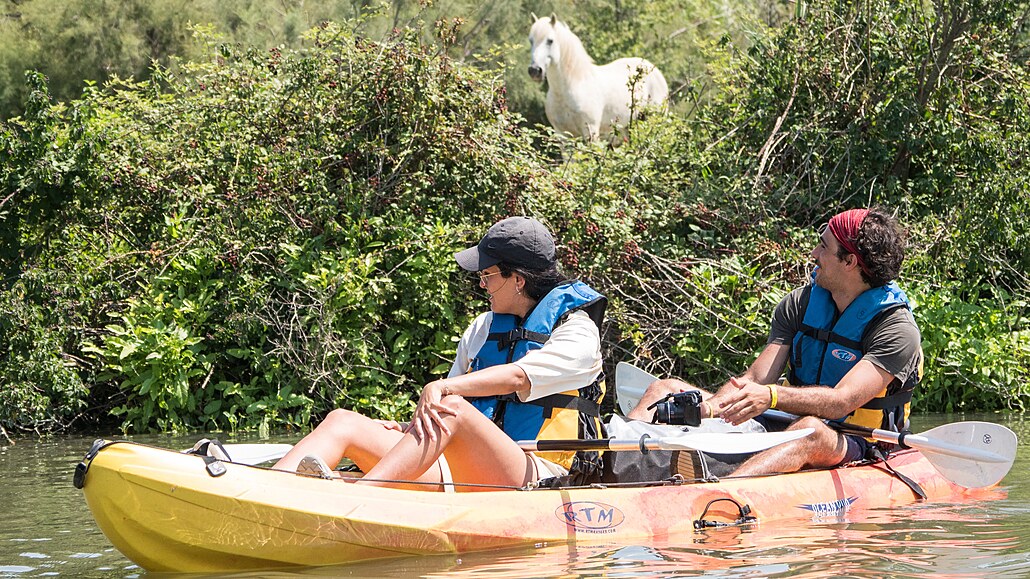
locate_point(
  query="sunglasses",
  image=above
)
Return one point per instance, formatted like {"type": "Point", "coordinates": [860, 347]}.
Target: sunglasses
{"type": "Point", "coordinates": [484, 276]}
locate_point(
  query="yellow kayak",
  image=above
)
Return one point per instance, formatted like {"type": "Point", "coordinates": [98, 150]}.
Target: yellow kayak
{"type": "Point", "coordinates": [170, 511]}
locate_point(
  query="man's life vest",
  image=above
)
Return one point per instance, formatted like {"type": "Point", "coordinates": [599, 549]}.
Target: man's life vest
{"type": "Point", "coordinates": [569, 415]}
{"type": "Point", "coordinates": [829, 344]}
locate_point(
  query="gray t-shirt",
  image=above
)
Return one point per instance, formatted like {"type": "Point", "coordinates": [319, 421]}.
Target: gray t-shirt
{"type": "Point", "coordinates": [891, 342]}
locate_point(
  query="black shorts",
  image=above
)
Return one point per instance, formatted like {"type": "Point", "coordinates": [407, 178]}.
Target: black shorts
{"type": "Point", "coordinates": [858, 449]}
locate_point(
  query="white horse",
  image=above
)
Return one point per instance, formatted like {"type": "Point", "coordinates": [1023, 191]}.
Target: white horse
{"type": "Point", "coordinates": [583, 99]}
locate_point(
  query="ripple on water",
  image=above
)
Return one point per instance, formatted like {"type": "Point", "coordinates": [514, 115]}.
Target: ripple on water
{"type": "Point", "coordinates": [978, 538]}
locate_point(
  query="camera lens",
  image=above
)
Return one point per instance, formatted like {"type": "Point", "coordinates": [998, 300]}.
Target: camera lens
{"type": "Point", "coordinates": [681, 408]}
{"type": "Point", "coordinates": [669, 412]}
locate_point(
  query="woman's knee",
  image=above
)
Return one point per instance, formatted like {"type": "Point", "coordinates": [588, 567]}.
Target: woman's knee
{"type": "Point", "coordinates": [340, 419]}
{"type": "Point", "coordinates": [463, 417]}
{"type": "Point", "coordinates": [457, 406]}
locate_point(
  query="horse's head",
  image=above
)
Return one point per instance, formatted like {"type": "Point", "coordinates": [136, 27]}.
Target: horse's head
{"type": "Point", "coordinates": [544, 48]}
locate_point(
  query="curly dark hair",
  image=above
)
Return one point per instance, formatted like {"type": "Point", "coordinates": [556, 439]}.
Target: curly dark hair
{"type": "Point", "coordinates": [881, 245]}
{"type": "Point", "coordinates": [538, 281]}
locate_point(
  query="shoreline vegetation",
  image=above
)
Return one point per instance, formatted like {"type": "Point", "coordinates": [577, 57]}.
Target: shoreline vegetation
{"type": "Point", "coordinates": [245, 237]}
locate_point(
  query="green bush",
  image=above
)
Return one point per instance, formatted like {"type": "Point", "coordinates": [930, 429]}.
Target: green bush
{"type": "Point", "coordinates": [252, 238]}
{"type": "Point", "coordinates": [977, 352]}
{"type": "Point", "coordinates": [275, 229]}
{"type": "Point", "coordinates": [40, 388]}
{"type": "Point", "coordinates": [843, 106]}
{"type": "Point", "coordinates": [916, 106]}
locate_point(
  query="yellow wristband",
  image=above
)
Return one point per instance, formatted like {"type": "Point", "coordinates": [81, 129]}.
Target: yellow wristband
{"type": "Point", "coordinates": [711, 411]}
{"type": "Point", "coordinates": [772, 395]}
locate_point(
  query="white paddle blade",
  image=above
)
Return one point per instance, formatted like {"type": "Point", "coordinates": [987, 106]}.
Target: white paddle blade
{"type": "Point", "coordinates": [256, 453]}
{"type": "Point", "coordinates": [630, 384]}
{"type": "Point", "coordinates": [984, 438]}
{"type": "Point", "coordinates": [732, 442]}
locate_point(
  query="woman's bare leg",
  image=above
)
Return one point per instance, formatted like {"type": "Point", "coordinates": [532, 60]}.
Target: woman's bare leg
{"type": "Point", "coordinates": [478, 451]}
{"type": "Point", "coordinates": [348, 434]}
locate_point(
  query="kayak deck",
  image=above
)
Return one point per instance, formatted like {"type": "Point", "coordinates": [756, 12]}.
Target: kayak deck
{"type": "Point", "coordinates": [163, 510]}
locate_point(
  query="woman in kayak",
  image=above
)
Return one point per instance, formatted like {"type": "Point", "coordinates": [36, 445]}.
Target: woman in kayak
{"type": "Point", "coordinates": [528, 368]}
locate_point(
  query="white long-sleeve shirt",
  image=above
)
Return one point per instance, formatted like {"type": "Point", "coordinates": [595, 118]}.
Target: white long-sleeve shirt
{"type": "Point", "coordinates": [569, 360]}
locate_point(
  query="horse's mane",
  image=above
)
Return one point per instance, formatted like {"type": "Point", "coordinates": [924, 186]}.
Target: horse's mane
{"type": "Point", "coordinates": [575, 61]}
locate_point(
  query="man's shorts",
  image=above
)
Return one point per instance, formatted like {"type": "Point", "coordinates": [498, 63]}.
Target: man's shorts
{"type": "Point", "coordinates": [858, 448]}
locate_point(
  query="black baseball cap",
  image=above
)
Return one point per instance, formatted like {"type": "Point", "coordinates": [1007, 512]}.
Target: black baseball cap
{"type": "Point", "coordinates": [520, 241]}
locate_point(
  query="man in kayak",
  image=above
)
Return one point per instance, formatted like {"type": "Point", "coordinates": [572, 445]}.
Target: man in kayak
{"type": "Point", "coordinates": [528, 368]}
{"type": "Point", "coordinates": [848, 343]}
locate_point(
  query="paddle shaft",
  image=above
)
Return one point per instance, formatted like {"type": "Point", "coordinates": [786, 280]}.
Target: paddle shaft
{"type": "Point", "coordinates": [647, 444]}
{"type": "Point", "coordinates": [713, 442]}
{"type": "Point", "coordinates": [903, 439]}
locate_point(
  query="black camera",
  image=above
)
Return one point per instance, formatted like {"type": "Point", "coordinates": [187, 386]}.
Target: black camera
{"type": "Point", "coordinates": [679, 408]}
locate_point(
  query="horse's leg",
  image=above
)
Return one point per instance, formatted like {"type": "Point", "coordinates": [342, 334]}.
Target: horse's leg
{"type": "Point", "coordinates": [591, 130]}
{"type": "Point", "coordinates": [593, 115]}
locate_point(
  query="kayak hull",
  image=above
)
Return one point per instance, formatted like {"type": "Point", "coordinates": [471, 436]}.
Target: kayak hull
{"type": "Point", "coordinates": [164, 510]}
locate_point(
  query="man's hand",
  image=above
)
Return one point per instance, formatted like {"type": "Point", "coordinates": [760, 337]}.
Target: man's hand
{"type": "Point", "coordinates": [745, 400]}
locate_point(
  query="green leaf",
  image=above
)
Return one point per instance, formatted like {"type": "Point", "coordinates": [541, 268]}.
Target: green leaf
{"type": "Point", "coordinates": [127, 350]}
{"type": "Point", "coordinates": [212, 407]}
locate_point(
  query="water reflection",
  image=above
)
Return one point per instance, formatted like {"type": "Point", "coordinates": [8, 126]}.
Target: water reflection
{"type": "Point", "coordinates": [46, 530]}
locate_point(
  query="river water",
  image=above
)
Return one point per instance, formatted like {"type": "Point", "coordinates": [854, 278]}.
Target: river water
{"type": "Point", "coordinates": [46, 530]}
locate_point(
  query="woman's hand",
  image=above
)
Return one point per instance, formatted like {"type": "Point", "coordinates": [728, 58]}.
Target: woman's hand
{"type": "Point", "coordinates": [392, 425]}
{"type": "Point", "coordinates": [427, 417]}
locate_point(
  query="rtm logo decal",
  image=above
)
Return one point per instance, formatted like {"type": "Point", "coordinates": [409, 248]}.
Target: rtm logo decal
{"type": "Point", "coordinates": [843, 355]}
{"type": "Point", "coordinates": [838, 507]}
{"type": "Point", "coordinates": [590, 517]}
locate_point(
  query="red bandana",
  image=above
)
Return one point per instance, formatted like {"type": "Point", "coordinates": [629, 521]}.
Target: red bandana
{"type": "Point", "coordinates": [844, 226]}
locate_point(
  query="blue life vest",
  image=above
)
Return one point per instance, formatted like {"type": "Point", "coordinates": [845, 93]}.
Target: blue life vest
{"type": "Point", "coordinates": [564, 415]}
{"type": "Point", "coordinates": [829, 344]}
